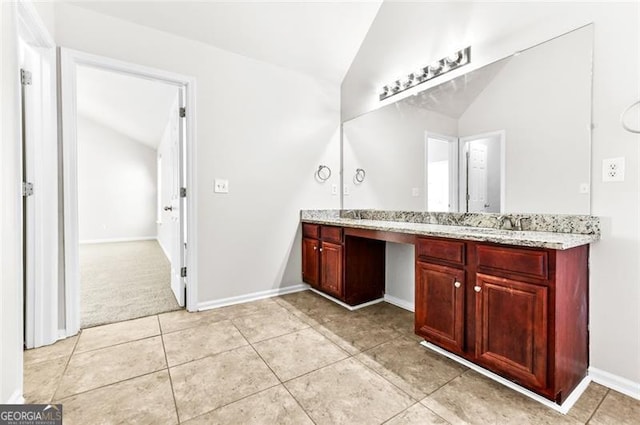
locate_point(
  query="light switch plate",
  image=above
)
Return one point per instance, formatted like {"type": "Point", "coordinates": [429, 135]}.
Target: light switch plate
{"type": "Point", "coordinates": [221, 186]}
{"type": "Point", "coordinates": [613, 169]}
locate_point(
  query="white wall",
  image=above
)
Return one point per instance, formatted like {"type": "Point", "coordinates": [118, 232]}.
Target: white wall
{"type": "Point", "coordinates": [264, 128]}
{"type": "Point", "coordinates": [117, 185]}
{"type": "Point", "coordinates": [10, 239]}
{"type": "Point", "coordinates": [389, 144]}
{"type": "Point", "coordinates": [396, 43]}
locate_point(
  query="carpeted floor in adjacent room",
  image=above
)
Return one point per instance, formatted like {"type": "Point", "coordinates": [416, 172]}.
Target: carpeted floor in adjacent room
{"type": "Point", "coordinates": [123, 280]}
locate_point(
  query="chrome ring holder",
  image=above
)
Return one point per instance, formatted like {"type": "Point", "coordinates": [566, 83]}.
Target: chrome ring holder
{"type": "Point", "coordinates": [323, 173]}
{"type": "Point", "coordinates": [360, 175]}
{"type": "Point", "coordinates": [624, 124]}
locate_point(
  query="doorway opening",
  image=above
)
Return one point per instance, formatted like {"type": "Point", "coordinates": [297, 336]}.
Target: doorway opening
{"type": "Point", "coordinates": [482, 187]}
{"type": "Point", "coordinates": [124, 125]}
{"type": "Point", "coordinates": [441, 173]}
{"type": "Point", "coordinates": [128, 151]}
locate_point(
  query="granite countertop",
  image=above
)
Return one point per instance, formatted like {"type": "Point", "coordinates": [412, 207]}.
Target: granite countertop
{"type": "Point", "coordinates": [550, 240]}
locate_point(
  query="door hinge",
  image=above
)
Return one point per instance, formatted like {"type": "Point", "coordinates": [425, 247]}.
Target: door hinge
{"type": "Point", "coordinates": [183, 272]}
{"type": "Point", "coordinates": [25, 77]}
{"type": "Point", "coordinates": [27, 189]}
{"type": "Point", "coordinates": [183, 192]}
{"type": "Point", "coordinates": [183, 112]}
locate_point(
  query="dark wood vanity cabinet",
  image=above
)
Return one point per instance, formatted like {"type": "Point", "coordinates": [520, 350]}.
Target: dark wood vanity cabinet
{"type": "Point", "coordinates": [348, 268]}
{"type": "Point", "coordinates": [520, 312]}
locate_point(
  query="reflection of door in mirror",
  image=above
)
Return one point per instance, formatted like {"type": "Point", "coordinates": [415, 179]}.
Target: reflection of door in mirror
{"type": "Point", "coordinates": [441, 172]}
{"type": "Point", "coordinates": [482, 188]}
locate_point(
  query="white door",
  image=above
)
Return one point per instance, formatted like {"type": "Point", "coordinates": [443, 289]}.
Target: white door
{"type": "Point", "coordinates": [174, 205]}
{"type": "Point", "coordinates": [477, 182]}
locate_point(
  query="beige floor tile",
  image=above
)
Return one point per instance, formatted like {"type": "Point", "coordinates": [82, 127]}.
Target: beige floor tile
{"type": "Point", "coordinates": [588, 402]}
{"type": "Point", "coordinates": [182, 319]}
{"type": "Point", "coordinates": [201, 341]}
{"type": "Point", "coordinates": [416, 415]}
{"type": "Point", "coordinates": [117, 333]}
{"type": "Point", "coordinates": [347, 392]}
{"type": "Point", "coordinates": [273, 406]}
{"type": "Point", "coordinates": [244, 309]}
{"type": "Point", "coordinates": [357, 333]}
{"type": "Point", "coordinates": [62, 348]}
{"type": "Point", "coordinates": [298, 353]}
{"type": "Point", "coordinates": [268, 324]}
{"type": "Point", "coordinates": [313, 308]}
{"type": "Point", "coordinates": [212, 382]}
{"type": "Point", "coordinates": [146, 400]}
{"type": "Point", "coordinates": [106, 366]}
{"type": "Point", "coordinates": [41, 379]}
{"type": "Point", "coordinates": [411, 367]}
{"type": "Point", "coordinates": [474, 399]}
{"type": "Point", "coordinates": [395, 317]}
{"type": "Point", "coordinates": [617, 409]}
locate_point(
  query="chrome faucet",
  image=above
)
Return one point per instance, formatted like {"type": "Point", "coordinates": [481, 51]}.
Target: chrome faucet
{"type": "Point", "coordinates": [505, 222]}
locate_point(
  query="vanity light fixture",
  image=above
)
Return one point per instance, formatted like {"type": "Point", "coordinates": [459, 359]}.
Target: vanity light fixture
{"type": "Point", "coordinates": [440, 67]}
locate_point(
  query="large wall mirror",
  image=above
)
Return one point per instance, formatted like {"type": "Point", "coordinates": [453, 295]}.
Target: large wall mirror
{"type": "Point", "coordinates": [513, 136]}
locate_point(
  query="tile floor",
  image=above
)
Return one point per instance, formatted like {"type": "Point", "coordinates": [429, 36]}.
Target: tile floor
{"type": "Point", "coordinates": [294, 359]}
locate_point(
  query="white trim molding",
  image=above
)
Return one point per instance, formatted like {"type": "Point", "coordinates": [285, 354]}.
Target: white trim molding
{"type": "Point", "coordinates": [69, 60]}
{"type": "Point", "coordinates": [399, 302]}
{"type": "Point", "coordinates": [255, 296]}
{"type": "Point", "coordinates": [615, 382]}
{"type": "Point", "coordinates": [16, 398]}
{"type": "Point", "coordinates": [562, 408]}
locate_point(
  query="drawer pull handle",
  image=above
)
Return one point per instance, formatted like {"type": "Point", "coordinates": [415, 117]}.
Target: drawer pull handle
{"type": "Point", "coordinates": [477, 288]}
{"type": "Point", "coordinates": [457, 284]}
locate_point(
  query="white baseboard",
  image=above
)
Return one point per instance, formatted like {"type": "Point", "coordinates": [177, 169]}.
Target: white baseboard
{"type": "Point", "coordinates": [208, 305]}
{"type": "Point", "coordinates": [345, 305]}
{"type": "Point", "coordinates": [615, 382]}
{"type": "Point", "coordinates": [112, 240]}
{"type": "Point", "coordinates": [399, 302]}
{"type": "Point", "coordinates": [563, 408]}
{"type": "Point", "coordinates": [16, 398]}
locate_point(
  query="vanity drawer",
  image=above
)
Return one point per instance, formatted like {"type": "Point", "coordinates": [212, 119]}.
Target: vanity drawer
{"type": "Point", "coordinates": [525, 262]}
{"type": "Point", "coordinates": [440, 250]}
{"type": "Point", "coordinates": [331, 234]}
{"type": "Point", "coordinates": [311, 230]}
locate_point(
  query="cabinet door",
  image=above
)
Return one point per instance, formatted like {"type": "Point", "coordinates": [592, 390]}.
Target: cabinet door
{"type": "Point", "coordinates": [511, 328]}
{"type": "Point", "coordinates": [310, 258]}
{"type": "Point", "coordinates": [440, 305]}
{"type": "Point", "coordinates": [331, 268]}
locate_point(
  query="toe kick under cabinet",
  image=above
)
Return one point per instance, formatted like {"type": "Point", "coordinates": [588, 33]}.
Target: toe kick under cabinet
{"type": "Point", "coordinates": [519, 312]}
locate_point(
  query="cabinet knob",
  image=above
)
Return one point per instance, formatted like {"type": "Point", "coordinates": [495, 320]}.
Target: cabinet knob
{"type": "Point", "coordinates": [315, 247]}
{"type": "Point", "coordinates": [457, 284]}
{"type": "Point", "coordinates": [477, 288]}
{"type": "Point", "coordinates": [320, 249]}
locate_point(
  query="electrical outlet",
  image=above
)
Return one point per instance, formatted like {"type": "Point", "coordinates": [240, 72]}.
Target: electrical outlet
{"type": "Point", "coordinates": [334, 189]}
{"type": "Point", "coordinates": [613, 169]}
{"type": "Point", "coordinates": [415, 192]}
{"type": "Point", "coordinates": [221, 186]}
{"type": "Point", "coordinates": [345, 192]}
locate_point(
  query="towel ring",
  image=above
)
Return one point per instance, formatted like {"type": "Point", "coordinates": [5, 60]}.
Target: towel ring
{"type": "Point", "coordinates": [624, 125]}
{"type": "Point", "coordinates": [360, 175]}
{"type": "Point", "coordinates": [323, 173]}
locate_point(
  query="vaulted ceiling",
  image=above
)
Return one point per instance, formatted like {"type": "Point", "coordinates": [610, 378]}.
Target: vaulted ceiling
{"type": "Point", "coordinates": [316, 38]}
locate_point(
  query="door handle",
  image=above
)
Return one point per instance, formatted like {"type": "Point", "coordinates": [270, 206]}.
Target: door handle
{"type": "Point", "coordinates": [168, 208]}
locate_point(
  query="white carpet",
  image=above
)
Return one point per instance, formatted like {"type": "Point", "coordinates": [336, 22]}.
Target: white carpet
{"type": "Point", "coordinates": [122, 281]}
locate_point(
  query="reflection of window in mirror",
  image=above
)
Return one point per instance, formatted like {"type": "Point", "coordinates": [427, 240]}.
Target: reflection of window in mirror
{"type": "Point", "coordinates": [482, 173]}
{"type": "Point", "coordinates": [441, 172]}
